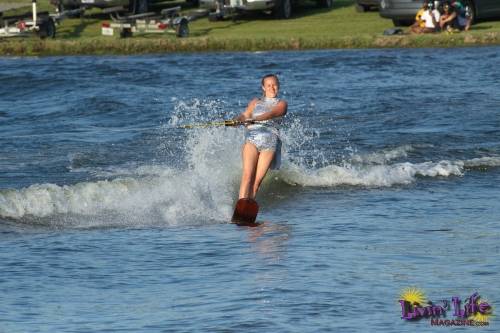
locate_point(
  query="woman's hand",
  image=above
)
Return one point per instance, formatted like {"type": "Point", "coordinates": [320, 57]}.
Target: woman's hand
{"type": "Point", "coordinates": [247, 114]}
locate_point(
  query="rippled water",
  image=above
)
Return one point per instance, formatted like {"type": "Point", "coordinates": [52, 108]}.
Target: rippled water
{"type": "Point", "coordinates": [112, 218]}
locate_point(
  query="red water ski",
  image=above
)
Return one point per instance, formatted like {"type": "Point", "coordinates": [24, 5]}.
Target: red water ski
{"type": "Point", "coordinates": [245, 212]}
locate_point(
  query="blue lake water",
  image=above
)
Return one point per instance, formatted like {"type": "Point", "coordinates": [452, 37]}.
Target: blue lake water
{"type": "Point", "coordinates": [112, 218]}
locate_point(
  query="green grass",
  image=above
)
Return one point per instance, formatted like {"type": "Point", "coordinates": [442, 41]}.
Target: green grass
{"type": "Point", "coordinates": [309, 28]}
{"type": "Point", "coordinates": [43, 5]}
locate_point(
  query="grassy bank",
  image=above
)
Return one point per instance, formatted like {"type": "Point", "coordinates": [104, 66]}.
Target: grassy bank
{"type": "Point", "coordinates": [310, 28]}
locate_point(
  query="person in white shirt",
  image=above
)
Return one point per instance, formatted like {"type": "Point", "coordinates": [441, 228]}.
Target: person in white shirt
{"type": "Point", "coordinates": [431, 18]}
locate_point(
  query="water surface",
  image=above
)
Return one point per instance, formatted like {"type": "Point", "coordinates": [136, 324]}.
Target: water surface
{"type": "Point", "coordinates": [112, 218]}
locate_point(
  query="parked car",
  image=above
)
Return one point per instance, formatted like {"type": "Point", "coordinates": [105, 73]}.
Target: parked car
{"type": "Point", "coordinates": [402, 12]}
{"type": "Point", "coordinates": [366, 5]}
{"type": "Point", "coordinates": [282, 9]}
{"type": "Point", "coordinates": [134, 6]}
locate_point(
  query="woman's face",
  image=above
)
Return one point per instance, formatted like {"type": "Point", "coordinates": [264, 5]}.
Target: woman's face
{"type": "Point", "coordinates": [270, 87]}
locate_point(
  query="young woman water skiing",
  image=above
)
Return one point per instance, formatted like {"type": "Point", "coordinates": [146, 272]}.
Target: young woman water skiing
{"type": "Point", "coordinates": [262, 147]}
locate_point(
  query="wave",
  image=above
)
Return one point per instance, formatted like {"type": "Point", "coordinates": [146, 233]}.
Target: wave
{"type": "Point", "coordinates": [483, 162]}
{"type": "Point", "coordinates": [204, 191]}
{"type": "Point", "coordinates": [171, 197]}
{"type": "Point", "coordinates": [204, 185]}
{"type": "Point", "coordinates": [383, 175]}
{"type": "Point", "coordinates": [370, 175]}
{"type": "Point", "coordinates": [383, 156]}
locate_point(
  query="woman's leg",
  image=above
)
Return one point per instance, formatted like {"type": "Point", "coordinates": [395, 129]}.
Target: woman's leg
{"type": "Point", "coordinates": [415, 28]}
{"type": "Point", "coordinates": [263, 164]}
{"type": "Point", "coordinates": [250, 156]}
{"type": "Point", "coordinates": [467, 25]}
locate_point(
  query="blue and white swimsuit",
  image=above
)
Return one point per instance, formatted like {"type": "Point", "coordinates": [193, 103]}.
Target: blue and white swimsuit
{"type": "Point", "coordinates": [264, 135]}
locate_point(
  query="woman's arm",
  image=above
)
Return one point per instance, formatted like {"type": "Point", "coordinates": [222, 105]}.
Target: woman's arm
{"type": "Point", "coordinates": [434, 21]}
{"type": "Point", "coordinates": [442, 20]}
{"type": "Point", "coordinates": [451, 17]}
{"type": "Point", "coordinates": [278, 111]}
{"type": "Point", "coordinates": [247, 114]}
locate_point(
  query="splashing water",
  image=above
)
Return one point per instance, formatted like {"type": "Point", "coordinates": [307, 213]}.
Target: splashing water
{"type": "Point", "coordinates": [205, 186]}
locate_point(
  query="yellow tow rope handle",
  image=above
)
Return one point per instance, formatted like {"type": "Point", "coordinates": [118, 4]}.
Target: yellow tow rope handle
{"type": "Point", "coordinates": [219, 123]}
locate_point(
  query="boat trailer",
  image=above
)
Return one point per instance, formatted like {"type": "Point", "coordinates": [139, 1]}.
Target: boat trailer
{"type": "Point", "coordinates": [126, 25]}
{"type": "Point", "coordinates": [41, 24]}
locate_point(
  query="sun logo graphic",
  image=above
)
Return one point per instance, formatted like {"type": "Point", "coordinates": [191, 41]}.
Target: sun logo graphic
{"type": "Point", "coordinates": [413, 295]}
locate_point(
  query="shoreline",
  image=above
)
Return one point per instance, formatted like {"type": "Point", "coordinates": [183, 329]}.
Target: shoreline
{"type": "Point", "coordinates": [32, 46]}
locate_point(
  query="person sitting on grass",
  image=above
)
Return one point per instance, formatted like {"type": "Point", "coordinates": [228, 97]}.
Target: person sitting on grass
{"type": "Point", "coordinates": [448, 20]}
{"type": "Point", "coordinates": [464, 17]}
{"type": "Point", "coordinates": [419, 23]}
{"type": "Point", "coordinates": [430, 17]}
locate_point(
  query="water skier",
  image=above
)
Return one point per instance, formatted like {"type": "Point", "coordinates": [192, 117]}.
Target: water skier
{"type": "Point", "coordinates": [262, 148]}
